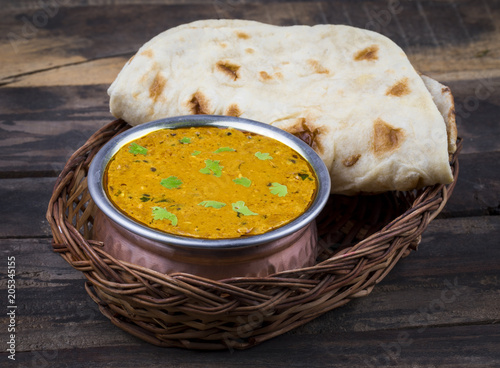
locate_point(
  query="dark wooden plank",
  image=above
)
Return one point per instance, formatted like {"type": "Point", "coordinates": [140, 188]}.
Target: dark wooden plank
{"type": "Point", "coordinates": [439, 307]}
{"type": "Point", "coordinates": [461, 346]}
{"type": "Point", "coordinates": [477, 193]}
{"type": "Point", "coordinates": [27, 5]}
{"type": "Point", "coordinates": [24, 204]}
{"type": "Point", "coordinates": [34, 40]}
{"type": "Point", "coordinates": [53, 308]}
{"type": "Point", "coordinates": [40, 127]}
{"type": "Point", "coordinates": [451, 281]}
{"type": "Point", "coordinates": [477, 108]}
{"type": "Point", "coordinates": [78, 34]}
{"type": "Point", "coordinates": [455, 268]}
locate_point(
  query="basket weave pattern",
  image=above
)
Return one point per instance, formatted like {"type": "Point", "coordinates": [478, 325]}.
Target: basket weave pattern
{"type": "Point", "coordinates": [361, 239]}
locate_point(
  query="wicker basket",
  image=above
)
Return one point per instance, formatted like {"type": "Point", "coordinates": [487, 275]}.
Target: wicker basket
{"type": "Point", "coordinates": [362, 238]}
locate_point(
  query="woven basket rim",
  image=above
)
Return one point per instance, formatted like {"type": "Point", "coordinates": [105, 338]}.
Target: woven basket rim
{"type": "Point", "coordinates": [193, 312]}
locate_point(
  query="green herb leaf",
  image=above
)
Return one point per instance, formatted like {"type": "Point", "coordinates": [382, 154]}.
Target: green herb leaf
{"type": "Point", "coordinates": [212, 166]}
{"type": "Point", "coordinates": [136, 149]}
{"type": "Point", "coordinates": [304, 176]}
{"type": "Point", "coordinates": [185, 140]}
{"type": "Point", "coordinates": [213, 204]}
{"type": "Point", "coordinates": [195, 153]}
{"type": "Point", "coordinates": [160, 213]}
{"type": "Point", "coordinates": [224, 149]}
{"type": "Point", "coordinates": [172, 182]}
{"type": "Point", "coordinates": [243, 181]}
{"type": "Point", "coordinates": [241, 208]}
{"type": "Point", "coordinates": [145, 198]}
{"type": "Point", "coordinates": [278, 189]}
{"type": "Point", "coordinates": [263, 156]}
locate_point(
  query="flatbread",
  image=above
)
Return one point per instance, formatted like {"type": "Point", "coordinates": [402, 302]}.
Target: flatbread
{"type": "Point", "coordinates": [444, 101]}
{"type": "Point", "coordinates": [350, 93]}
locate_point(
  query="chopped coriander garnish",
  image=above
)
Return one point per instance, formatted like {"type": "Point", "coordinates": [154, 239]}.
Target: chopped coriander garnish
{"type": "Point", "coordinates": [135, 149]}
{"type": "Point", "coordinates": [172, 182]}
{"type": "Point", "coordinates": [243, 181]}
{"type": "Point", "coordinates": [160, 213]}
{"type": "Point", "coordinates": [212, 166]}
{"type": "Point", "coordinates": [240, 208]}
{"type": "Point", "coordinates": [170, 169]}
{"type": "Point", "coordinates": [224, 149]}
{"type": "Point", "coordinates": [278, 189]}
{"type": "Point", "coordinates": [145, 198]}
{"type": "Point", "coordinates": [213, 204]}
{"type": "Point", "coordinates": [263, 156]}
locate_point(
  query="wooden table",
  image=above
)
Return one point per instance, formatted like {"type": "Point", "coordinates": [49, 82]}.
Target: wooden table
{"type": "Point", "coordinates": [440, 307]}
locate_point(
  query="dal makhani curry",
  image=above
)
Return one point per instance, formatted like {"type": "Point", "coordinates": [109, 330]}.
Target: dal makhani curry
{"type": "Point", "coordinates": [210, 182]}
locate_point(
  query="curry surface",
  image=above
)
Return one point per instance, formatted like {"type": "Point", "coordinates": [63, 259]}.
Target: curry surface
{"type": "Point", "coordinates": [210, 182]}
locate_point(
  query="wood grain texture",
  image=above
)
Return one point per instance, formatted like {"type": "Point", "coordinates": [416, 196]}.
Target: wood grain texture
{"type": "Point", "coordinates": [477, 107]}
{"type": "Point", "coordinates": [40, 127]}
{"type": "Point", "coordinates": [446, 282]}
{"type": "Point", "coordinates": [56, 97]}
{"type": "Point", "coordinates": [445, 37]}
{"type": "Point", "coordinates": [440, 307]}
{"type": "Point", "coordinates": [24, 204]}
{"type": "Point", "coordinates": [477, 193]}
{"type": "Point", "coordinates": [464, 346]}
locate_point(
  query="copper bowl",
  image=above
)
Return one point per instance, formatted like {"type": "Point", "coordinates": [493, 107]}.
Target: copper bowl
{"type": "Point", "coordinates": [291, 246]}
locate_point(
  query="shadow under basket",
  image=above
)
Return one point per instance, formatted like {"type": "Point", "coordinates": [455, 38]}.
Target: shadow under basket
{"type": "Point", "coordinates": [361, 238]}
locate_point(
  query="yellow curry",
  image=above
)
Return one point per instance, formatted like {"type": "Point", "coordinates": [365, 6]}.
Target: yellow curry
{"type": "Point", "coordinates": [210, 182]}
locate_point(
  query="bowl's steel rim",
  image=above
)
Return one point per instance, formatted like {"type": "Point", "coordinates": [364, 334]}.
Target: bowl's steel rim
{"type": "Point", "coordinates": [99, 163]}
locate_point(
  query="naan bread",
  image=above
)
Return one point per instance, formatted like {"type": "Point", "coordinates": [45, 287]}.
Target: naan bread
{"type": "Point", "coordinates": [350, 93]}
{"type": "Point", "coordinates": [443, 99]}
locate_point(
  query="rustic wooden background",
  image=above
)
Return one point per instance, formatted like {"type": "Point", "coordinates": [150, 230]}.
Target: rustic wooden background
{"type": "Point", "coordinates": [440, 307]}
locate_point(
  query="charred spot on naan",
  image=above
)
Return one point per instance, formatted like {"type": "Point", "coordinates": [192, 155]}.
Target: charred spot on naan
{"type": "Point", "coordinates": [231, 70]}
{"type": "Point", "coordinates": [199, 104]}
{"type": "Point", "coordinates": [148, 53]}
{"type": "Point", "coordinates": [243, 35]}
{"type": "Point", "coordinates": [265, 76]}
{"type": "Point", "coordinates": [307, 133]}
{"type": "Point", "coordinates": [369, 53]}
{"type": "Point", "coordinates": [156, 88]}
{"type": "Point", "coordinates": [233, 110]}
{"type": "Point", "coordinates": [249, 50]}
{"type": "Point", "coordinates": [351, 160]}
{"type": "Point", "coordinates": [317, 67]}
{"type": "Point", "coordinates": [400, 88]}
{"type": "Point", "coordinates": [386, 138]}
